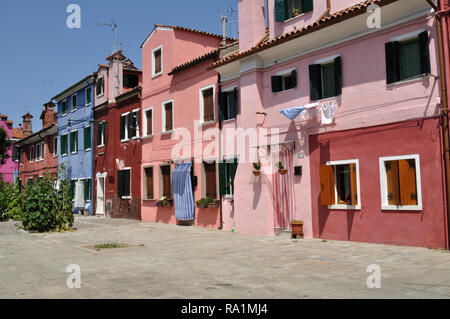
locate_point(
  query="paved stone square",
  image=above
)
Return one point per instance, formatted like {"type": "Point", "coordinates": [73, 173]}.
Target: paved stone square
{"type": "Point", "coordinates": [190, 262]}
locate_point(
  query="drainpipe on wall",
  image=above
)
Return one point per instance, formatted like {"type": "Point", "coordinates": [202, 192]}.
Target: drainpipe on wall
{"type": "Point", "coordinates": [220, 157]}
{"type": "Point", "coordinates": [444, 115]}
{"type": "Point", "coordinates": [327, 11]}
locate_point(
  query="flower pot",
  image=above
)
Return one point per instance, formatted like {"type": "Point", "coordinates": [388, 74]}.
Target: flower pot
{"type": "Point", "coordinates": [202, 206]}
{"type": "Point", "coordinates": [256, 173]}
{"type": "Point", "coordinates": [297, 229]}
{"type": "Point", "coordinates": [213, 205]}
{"type": "Point", "coordinates": [282, 171]}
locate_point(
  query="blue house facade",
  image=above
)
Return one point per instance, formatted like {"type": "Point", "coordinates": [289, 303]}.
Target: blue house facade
{"type": "Point", "coordinates": [75, 140]}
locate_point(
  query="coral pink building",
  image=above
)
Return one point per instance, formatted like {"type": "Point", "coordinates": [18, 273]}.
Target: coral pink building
{"type": "Point", "coordinates": [9, 168]}
{"type": "Point", "coordinates": [179, 94]}
{"type": "Point", "coordinates": [351, 104]}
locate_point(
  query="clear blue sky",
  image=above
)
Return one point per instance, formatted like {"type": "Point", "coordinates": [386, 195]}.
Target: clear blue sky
{"type": "Point", "coordinates": [40, 56]}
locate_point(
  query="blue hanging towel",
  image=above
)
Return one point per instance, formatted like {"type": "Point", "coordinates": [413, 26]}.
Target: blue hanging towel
{"type": "Point", "coordinates": [182, 192]}
{"type": "Point", "coordinates": [292, 112]}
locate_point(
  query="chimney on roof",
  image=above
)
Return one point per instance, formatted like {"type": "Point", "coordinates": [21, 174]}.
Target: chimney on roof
{"type": "Point", "coordinates": [252, 23]}
{"type": "Point", "coordinates": [27, 130]}
{"type": "Point", "coordinates": [48, 115]}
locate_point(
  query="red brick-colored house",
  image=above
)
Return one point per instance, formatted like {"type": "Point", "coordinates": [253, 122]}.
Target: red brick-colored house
{"type": "Point", "coordinates": [117, 139]}
{"type": "Point", "coordinates": [38, 151]}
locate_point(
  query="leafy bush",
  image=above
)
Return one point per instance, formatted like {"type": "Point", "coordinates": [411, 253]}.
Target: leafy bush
{"type": "Point", "coordinates": [4, 196]}
{"type": "Point", "coordinates": [45, 208]}
{"type": "Point", "coordinates": [15, 202]}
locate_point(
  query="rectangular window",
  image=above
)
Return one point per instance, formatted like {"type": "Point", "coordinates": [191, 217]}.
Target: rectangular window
{"type": "Point", "coordinates": [101, 134]}
{"type": "Point", "coordinates": [284, 81]}
{"type": "Point", "coordinates": [55, 146]}
{"type": "Point", "coordinates": [339, 185]}
{"type": "Point", "coordinates": [74, 102]}
{"type": "Point", "coordinates": [148, 122]}
{"type": "Point", "coordinates": [227, 172]}
{"type": "Point", "coordinates": [166, 183]}
{"type": "Point", "coordinates": [88, 96]}
{"type": "Point", "coordinates": [400, 183]}
{"type": "Point", "coordinates": [87, 138]}
{"type": "Point", "coordinates": [210, 180]}
{"type": "Point", "coordinates": [130, 81]}
{"type": "Point", "coordinates": [148, 183]}
{"type": "Point", "coordinates": [157, 61]}
{"type": "Point", "coordinates": [100, 86]}
{"type": "Point", "coordinates": [64, 106]}
{"type": "Point", "coordinates": [64, 144]}
{"type": "Point", "coordinates": [124, 126]}
{"type": "Point", "coordinates": [42, 151]}
{"type": "Point", "coordinates": [228, 105]}
{"type": "Point", "coordinates": [74, 142]}
{"type": "Point", "coordinates": [38, 152]}
{"type": "Point", "coordinates": [207, 104]}
{"type": "Point", "coordinates": [287, 9]}
{"type": "Point", "coordinates": [72, 188]}
{"type": "Point", "coordinates": [123, 183]}
{"type": "Point", "coordinates": [168, 116]}
{"type": "Point", "coordinates": [407, 59]}
{"type": "Point", "coordinates": [325, 79]}
{"type": "Point", "coordinates": [135, 124]}
{"type": "Point", "coordinates": [31, 154]}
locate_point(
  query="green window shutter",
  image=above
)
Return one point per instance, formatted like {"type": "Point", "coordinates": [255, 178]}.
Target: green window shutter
{"type": "Point", "coordinates": [424, 53]}
{"type": "Point", "coordinates": [276, 83]}
{"type": "Point", "coordinates": [233, 104]}
{"type": "Point", "coordinates": [87, 138]}
{"type": "Point", "coordinates": [72, 189]}
{"type": "Point", "coordinates": [315, 82]}
{"type": "Point", "coordinates": [72, 142]}
{"type": "Point", "coordinates": [328, 80]}
{"type": "Point", "coordinates": [391, 49]}
{"type": "Point", "coordinates": [222, 178]}
{"type": "Point", "coordinates": [86, 189]}
{"type": "Point", "coordinates": [307, 5]}
{"type": "Point", "coordinates": [338, 76]}
{"type": "Point", "coordinates": [122, 127]}
{"type": "Point", "coordinates": [233, 169]}
{"type": "Point", "coordinates": [409, 58]}
{"type": "Point", "coordinates": [222, 106]}
{"type": "Point", "coordinates": [127, 182]}
{"type": "Point", "coordinates": [280, 10]}
{"type": "Point", "coordinates": [66, 144]}
{"type": "Point", "coordinates": [119, 183]}
{"type": "Point", "coordinates": [293, 79]}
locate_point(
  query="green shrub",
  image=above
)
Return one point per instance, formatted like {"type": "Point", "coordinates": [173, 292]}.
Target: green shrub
{"type": "Point", "coordinates": [46, 209]}
{"type": "Point", "coordinates": [15, 202]}
{"type": "Point", "coordinates": [5, 190]}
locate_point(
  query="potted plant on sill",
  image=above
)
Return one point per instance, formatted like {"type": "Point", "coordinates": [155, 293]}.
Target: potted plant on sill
{"type": "Point", "coordinates": [257, 169]}
{"type": "Point", "coordinates": [297, 228]}
{"type": "Point", "coordinates": [212, 203]}
{"type": "Point", "coordinates": [281, 169]}
{"type": "Point", "coordinates": [164, 202]}
{"type": "Point", "coordinates": [295, 12]}
{"type": "Point", "coordinates": [202, 203]}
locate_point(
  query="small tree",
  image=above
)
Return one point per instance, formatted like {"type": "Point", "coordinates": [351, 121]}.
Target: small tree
{"type": "Point", "coordinates": [4, 196]}
{"type": "Point", "coordinates": [15, 202]}
{"type": "Point", "coordinates": [5, 144]}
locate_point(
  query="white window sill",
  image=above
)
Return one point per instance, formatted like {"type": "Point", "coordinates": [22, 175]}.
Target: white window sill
{"type": "Point", "coordinates": [73, 110]}
{"type": "Point", "coordinates": [154, 76]}
{"type": "Point", "coordinates": [63, 155]}
{"type": "Point", "coordinates": [136, 138]}
{"type": "Point", "coordinates": [229, 120]}
{"type": "Point", "coordinates": [64, 114]}
{"type": "Point", "coordinates": [87, 150]}
{"type": "Point", "coordinates": [344, 207]}
{"type": "Point", "coordinates": [73, 153]}
{"type": "Point", "coordinates": [331, 98]}
{"type": "Point", "coordinates": [166, 132]}
{"type": "Point", "coordinates": [296, 17]}
{"type": "Point", "coordinates": [88, 104]}
{"type": "Point", "coordinates": [402, 208]}
{"type": "Point", "coordinates": [147, 137]}
{"type": "Point", "coordinates": [100, 146]}
{"type": "Point", "coordinates": [123, 141]}
{"type": "Point", "coordinates": [100, 95]}
{"type": "Point", "coordinates": [409, 81]}
{"type": "Point", "coordinates": [282, 91]}
{"type": "Point", "coordinates": [208, 122]}
{"type": "Point", "coordinates": [126, 197]}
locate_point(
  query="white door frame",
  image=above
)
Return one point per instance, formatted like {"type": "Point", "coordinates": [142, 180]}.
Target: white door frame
{"type": "Point", "coordinates": [99, 179]}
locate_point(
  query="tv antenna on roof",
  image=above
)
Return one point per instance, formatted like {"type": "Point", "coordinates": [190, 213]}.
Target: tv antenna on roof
{"type": "Point", "coordinates": [115, 29]}
{"type": "Point", "coordinates": [228, 16]}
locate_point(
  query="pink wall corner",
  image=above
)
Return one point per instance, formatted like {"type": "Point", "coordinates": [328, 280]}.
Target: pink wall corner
{"type": "Point", "coordinates": [7, 169]}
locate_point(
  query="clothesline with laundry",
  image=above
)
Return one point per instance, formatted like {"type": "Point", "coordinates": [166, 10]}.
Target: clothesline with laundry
{"type": "Point", "coordinates": [325, 111]}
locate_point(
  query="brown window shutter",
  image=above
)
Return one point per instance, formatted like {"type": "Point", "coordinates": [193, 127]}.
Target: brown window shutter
{"type": "Point", "coordinates": [149, 182]}
{"type": "Point", "coordinates": [167, 187]}
{"type": "Point", "coordinates": [168, 110]}
{"type": "Point", "coordinates": [407, 177]}
{"type": "Point", "coordinates": [353, 185]}
{"type": "Point", "coordinates": [158, 61]}
{"type": "Point", "coordinates": [210, 176]}
{"type": "Point", "coordinates": [392, 182]}
{"type": "Point", "coordinates": [149, 122]}
{"type": "Point", "coordinates": [208, 105]}
{"type": "Point", "coordinates": [327, 196]}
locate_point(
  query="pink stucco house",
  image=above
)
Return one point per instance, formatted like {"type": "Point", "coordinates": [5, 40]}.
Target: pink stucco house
{"type": "Point", "coordinates": [179, 96]}
{"type": "Point", "coordinates": [8, 170]}
{"type": "Point", "coordinates": [348, 92]}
